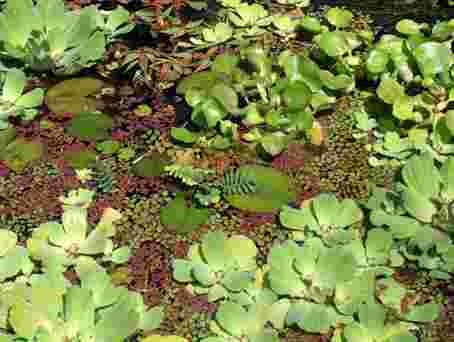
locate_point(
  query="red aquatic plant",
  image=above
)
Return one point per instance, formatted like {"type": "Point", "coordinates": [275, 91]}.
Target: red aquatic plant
{"type": "Point", "coordinates": [150, 271]}
{"type": "Point", "coordinates": [292, 159]}
{"type": "Point", "coordinates": [251, 221]}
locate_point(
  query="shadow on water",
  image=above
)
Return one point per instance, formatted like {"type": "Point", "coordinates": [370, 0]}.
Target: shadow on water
{"type": "Point", "coordinates": [386, 13]}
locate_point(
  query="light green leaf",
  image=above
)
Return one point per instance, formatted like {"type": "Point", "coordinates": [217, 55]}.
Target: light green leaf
{"type": "Point", "coordinates": [182, 270]}
{"type": "Point", "coordinates": [242, 251]}
{"type": "Point", "coordinates": [14, 85]}
{"type": "Point", "coordinates": [121, 255]}
{"type": "Point", "coordinates": [377, 61]}
{"type": "Point", "coordinates": [389, 90]}
{"type": "Point", "coordinates": [339, 17]}
{"type": "Point", "coordinates": [152, 318]}
{"type": "Point", "coordinates": [408, 27]}
{"type": "Point", "coordinates": [418, 206]}
{"type": "Point", "coordinates": [334, 44]}
{"type": "Point", "coordinates": [203, 274]}
{"type": "Point", "coordinates": [311, 317]}
{"type": "Point", "coordinates": [433, 58]}
{"type": "Point", "coordinates": [420, 174]}
{"type": "Point", "coordinates": [31, 99]}
{"type": "Point", "coordinates": [8, 240]}
{"type": "Point", "coordinates": [297, 219]}
{"type": "Point", "coordinates": [226, 95]}
{"type": "Point", "coordinates": [424, 313]}
{"type": "Point", "coordinates": [214, 249]}
{"type": "Point", "coordinates": [231, 317]}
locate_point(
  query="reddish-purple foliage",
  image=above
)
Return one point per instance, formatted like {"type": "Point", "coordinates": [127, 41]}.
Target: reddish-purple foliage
{"type": "Point", "coordinates": [251, 221]}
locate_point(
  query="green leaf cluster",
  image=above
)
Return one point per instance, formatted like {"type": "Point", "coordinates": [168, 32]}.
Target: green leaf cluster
{"type": "Point", "coordinates": [48, 37]}
{"type": "Point", "coordinates": [13, 102]}
{"type": "Point", "coordinates": [63, 243]}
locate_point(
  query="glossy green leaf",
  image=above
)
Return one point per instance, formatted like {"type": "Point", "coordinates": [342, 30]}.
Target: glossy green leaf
{"type": "Point", "coordinates": [433, 58]}
{"type": "Point", "coordinates": [334, 44]}
{"type": "Point", "coordinates": [339, 17]}
{"type": "Point", "coordinates": [377, 61]}
{"type": "Point", "coordinates": [184, 135]}
{"type": "Point", "coordinates": [389, 90]}
{"type": "Point", "coordinates": [296, 95]}
{"type": "Point", "coordinates": [408, 27]}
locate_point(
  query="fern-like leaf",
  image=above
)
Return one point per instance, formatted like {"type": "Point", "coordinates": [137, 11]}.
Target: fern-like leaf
{"type": "Point", "coordinates": [236, 182]}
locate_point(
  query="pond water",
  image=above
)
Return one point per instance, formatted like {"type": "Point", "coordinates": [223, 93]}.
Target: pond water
{"type": "Point", "coordinates": [301, 156]}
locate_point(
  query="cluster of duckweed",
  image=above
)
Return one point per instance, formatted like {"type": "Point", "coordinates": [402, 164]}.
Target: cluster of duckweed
{"type": "Point", "coordinates": [343, 167]}
{"type": "Point", "coordinates": [140, 219]}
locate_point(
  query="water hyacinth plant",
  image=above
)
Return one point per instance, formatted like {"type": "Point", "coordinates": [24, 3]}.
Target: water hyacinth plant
{"type": "Point", "coordinates": [49, 37]}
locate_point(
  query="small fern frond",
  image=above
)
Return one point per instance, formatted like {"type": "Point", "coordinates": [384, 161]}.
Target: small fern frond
{"type": "Point", "coordinates": [236, 182]}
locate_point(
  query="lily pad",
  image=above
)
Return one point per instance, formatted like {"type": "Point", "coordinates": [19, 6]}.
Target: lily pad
{"type": "Point", "coordinates": [182, 219]}
{"type": "Point", "coordinates": [90, 126]}
{"type": "Point", "coordinates": [21, 153]}
{"type": "Point", "coordinates": [152, 166]}
{"type": "Point", "coordinates": [74, 95]}
{"type": "Point", "coordinates": [272, 190]}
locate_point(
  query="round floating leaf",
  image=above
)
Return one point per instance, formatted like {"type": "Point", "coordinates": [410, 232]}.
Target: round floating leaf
{"type": "Point", "coordinates": [242, 249]}
{"type": "Point", "coordinates": [408, 27]}
{"type": "Point", "coordinates": [334, 44]}
{"type": "Point", "coordinates": [377, 61]}
{"type": "Point", "coordinates": [214, 249]}
{"type": "Point", "coordinates": [152, 166]}
{"type": "Point", "coordinates": [232, 318]}
{"type": "Point", "coordinates": [339, 17]}
{"type": "Point", "coordinates": [335, 82]}
{"type": "Point", "coordinates": [182, 219]}
{"type": "Point", "coordinates": [21, 153]}
{"type": "Point", "coordinates": [203, 80]}
{"type": "Point", "coordinates": [390, 90]}
{"type": "Point", "coordinates": [311, 24]}
{"type": "Point", "coordinates": [225, 64]}
{"type": "Point", "coordinates": [182, 270]}
{"type": "Point", "coordinates": [313, 318]}
{"type": "Point", "coordinates": [297, 95]}
{"type": "Point", "coordinates": [272, 190]}
{"type": "Point", "coordinates": [418, 206]}
{"type": "Point", "coordinates": [90, 126]}
{"type": "Point", "coordinates": [74, 96]}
